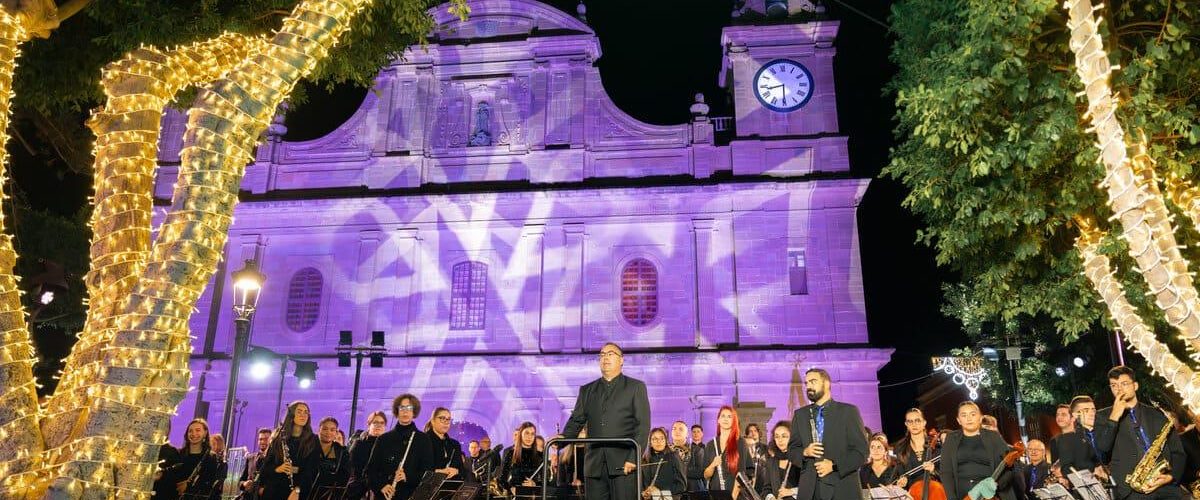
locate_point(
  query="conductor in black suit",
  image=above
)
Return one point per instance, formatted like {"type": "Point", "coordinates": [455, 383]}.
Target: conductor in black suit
{"type": "Point", "coordinates": [1126, 430]}
{"type": "Point", "coordinates": [612, 406]}
{"type": "Point", "coordinates": [832, 459]}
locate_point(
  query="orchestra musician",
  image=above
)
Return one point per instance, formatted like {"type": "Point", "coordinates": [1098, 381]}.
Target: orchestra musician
{"type": "Point", "coordinates": [470, 462]}
{"type": "Point", "coordinates": [970, 456]}
{"type": "Point", "coordinates": [333, 464]}
{"type": "Point", "coordinates": [695, 473]}
{"type": "Point", "coordinates": [1066, 425]}
{"type": "Point", "coordinates": [404, 454]}
{"type": "Point", "coordinates": [1126, 430]}
{"type": "Point", "coordinates": [1034, 474]}
{"type": "Point", "coordinates": [915, 449]}
{"type": "Point", "coordinates": [291, 457]}
{"type": "Point", "coordinates": [522, 460]}
{"type": "Point", "coordinates": [682, 448]}
{"type": "Point", "coordinates": [779, 476]}
{"type": "Point", "coordinates": [880, 469]}
{"type": "Point", "coordinates": [362, 452]}
{"type": "Point", "coordinates": [168, 457]}
{"type": "Point", "coordinates": [726, 455]}
{"type": "Point", "coordinates": [248, 483]}
{"type": "Point", "coordinates": [662, 470]}
{"type": "Point", "coordinates": [199, 472]}
{"type": "Point", "coordinates": [447, 452]}
{"type": "Point", "coordinates": [828, 439]}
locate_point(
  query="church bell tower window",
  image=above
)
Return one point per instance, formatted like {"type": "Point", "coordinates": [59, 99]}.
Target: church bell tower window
{"type": "Point", "coordinates": [639, 292]}
{"type": "Point", "coordinates": [468, 295]}
{"type": "Point", "coordinates": [304, 299]}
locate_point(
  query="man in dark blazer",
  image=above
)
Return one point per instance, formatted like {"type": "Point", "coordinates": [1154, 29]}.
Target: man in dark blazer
{"type": "Point", "coordinates": [1077, 450]}
{"type": "Point", "coordinates": [1127, 429]}
{"type": "Point", "coordinates": [971, 455]}
{"type": "Point", "coordinates": [1034, 474]}
{"type": "Point", "coordinates": [613, 406]}
{"type": "Point", "coordinates": [831, 459]}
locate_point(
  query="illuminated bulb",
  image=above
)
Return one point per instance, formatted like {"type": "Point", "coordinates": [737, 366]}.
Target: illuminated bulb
{"type": "Point", "coordinates": [260, 369]}
{"type": "Point", "coordinates": [47, 297]}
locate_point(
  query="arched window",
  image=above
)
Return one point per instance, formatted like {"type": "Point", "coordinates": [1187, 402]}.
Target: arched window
{"type": "Point", "coordinates": [639, 292]}
{"type": "Point", "coordinates": [304, 299]}
{"type": "Point", "coordinates": [468, 295]}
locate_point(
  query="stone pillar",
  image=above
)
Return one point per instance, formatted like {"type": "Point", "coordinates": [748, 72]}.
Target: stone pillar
{"type": "Point", "coordinates": [572, 287]}
{"type": "Point", "coordinates": [534, 237]}
{"type": "Point", "coordinates": [405, 301]}
{"type": "Point", "coordinates": [364, 277]}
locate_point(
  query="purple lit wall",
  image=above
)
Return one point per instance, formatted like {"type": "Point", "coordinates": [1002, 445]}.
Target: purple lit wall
{"type": "Point", "coordinates": [495, 304]}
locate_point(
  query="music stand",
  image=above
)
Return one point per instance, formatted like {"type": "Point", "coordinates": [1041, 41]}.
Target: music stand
{"type": "Point", "coordinates": [889, 492]}
{"type": "Point", "coordinates": [1053, 491]}
{"type": "Point", "coordinates": [429, 486]}
{"type": "Point", "coordinates": [1086, 484]}
{"type": "Point", "coordinates": [467, 491]}
{"type": "Point", "coordinates": [711, 495]}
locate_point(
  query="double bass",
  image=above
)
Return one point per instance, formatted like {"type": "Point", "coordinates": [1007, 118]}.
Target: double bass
{"type": "Point", "coordinates": [927, 488]}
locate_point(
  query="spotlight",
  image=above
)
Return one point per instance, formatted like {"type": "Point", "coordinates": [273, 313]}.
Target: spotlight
{"type": "Point", "coordinates": [345, 338]}
{"type": "Point", "coordinates": [306, 373]}
{"type": "Point", "coordinates": [991, 354]}
{"type": "Point", "coordinates": [1078, 362]}
{"type": "Point", "coordinates": [47, 297]}
{"type": "Point", "coordinates": [1060, 371]}
{"type": "Point", "coordinates": [377, 341]}
{"type": "Point", "coordinates": [260, 362]}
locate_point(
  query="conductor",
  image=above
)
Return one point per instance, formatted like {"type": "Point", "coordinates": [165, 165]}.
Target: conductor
{"type": "Point", "coordinates": [612, 406]}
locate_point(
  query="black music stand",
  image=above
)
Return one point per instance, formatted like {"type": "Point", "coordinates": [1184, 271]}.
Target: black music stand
{"type": "Point", "coordinates": [429, 486]}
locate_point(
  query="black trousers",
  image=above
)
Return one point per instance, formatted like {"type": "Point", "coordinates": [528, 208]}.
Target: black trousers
{"type": "Point", "coordinates": [622, 487]}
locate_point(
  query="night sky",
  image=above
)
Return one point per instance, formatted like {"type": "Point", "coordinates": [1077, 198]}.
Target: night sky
{"type": "Point", "coordinates": [656, 56]}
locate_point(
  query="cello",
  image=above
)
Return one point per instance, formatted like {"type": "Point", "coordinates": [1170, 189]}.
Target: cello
{"type": "Point", "coordinates": [927, 488]}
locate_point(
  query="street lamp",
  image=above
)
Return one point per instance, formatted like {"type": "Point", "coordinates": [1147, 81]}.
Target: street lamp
{"type": "Point", "coordinates": [247, 286]}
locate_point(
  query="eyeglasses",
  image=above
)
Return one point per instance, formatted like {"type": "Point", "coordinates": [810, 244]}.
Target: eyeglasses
{"type": "Point", "coordinates": [609, 354]}
{"type": "Point", "coordinates": [406, 408]}
{"type": "Point", "coordinates": [376, 422]}
{"type": "Point", "coordinates": [1124, 384]}
{"type": "Point", "coordinates": [917, 421]}
{"type": "Point", "coordinates": [442, 418]}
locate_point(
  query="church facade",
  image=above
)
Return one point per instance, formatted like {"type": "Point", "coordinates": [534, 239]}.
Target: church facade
{"type": "Point", "coordinates": [720, 254]}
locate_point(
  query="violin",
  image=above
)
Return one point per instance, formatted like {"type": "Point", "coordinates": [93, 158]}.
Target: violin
{"type": "Point", "coordinates": [928, 488]}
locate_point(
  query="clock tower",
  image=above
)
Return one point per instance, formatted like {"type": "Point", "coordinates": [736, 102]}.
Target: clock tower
{"type": "Point", "coordinates": [781, 76]}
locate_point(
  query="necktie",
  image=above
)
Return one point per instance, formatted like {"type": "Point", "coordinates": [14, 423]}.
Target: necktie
{"type": "Point", "coordinates": [1091, 435]}
{"type": "Point", "coordinates": [1032, 478]}
{"type": "Point", "coordinates": [1141, 432]}
{"type": "Point", "coordinates": [820, 424]}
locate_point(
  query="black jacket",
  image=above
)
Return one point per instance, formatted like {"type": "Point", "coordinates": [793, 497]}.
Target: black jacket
{"type": "Point", "coordinates": [723, 477]}
{"type": "Point", "coordinates": [1027, 480]}
{"type": "Point", "coordinates": [362, 453]}
{"type": "Point", "coordinates": [390, 452]}
{"type": "Point", "coordinates": [996, 448]}
{"type": "Point", "coordinates": [1075, 451]}
{"type": "Point", "coordinates": [332, 472]}
{"type": "Point", "coordinates": [513, 473]}
{"type": "Point", "coordinates": [1120, 442]}
{"type": "Point", "coordinates": [845, 445]}
{"type": "Point", "coordinates": [447, 453]}
{"type": "Point", "coordinates": [625, 413]}
{"type": "Point", "coordinates": [277, 486]}
{"type": "Point", "coordinates": [667, 475]}
{"type": "Point", "coordinates": [771, 477]}
{"type": "Point", "coordinates": [203, 472]}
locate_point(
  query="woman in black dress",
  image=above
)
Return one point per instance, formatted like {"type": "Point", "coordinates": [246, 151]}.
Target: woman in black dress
{"type": "Point", "coordinates": [522, 462]}
{"type": "Point", "coordinates": [362, 452]}
{"type": "Point", "coordinates": [880, 469]}
{"type": "Point", "coordinates": [447, 452]}
{"type": "Point", "coordinates": [778, 476]}
{"type": "Point", "coordinates": [917, 449]}
{"type": "Point", "coordinates": [662, 470]}
{"type": "Point", "coordinates": [292, 457]}
{"type": "Point", "coordinates": [726, 455]}
{"type": "Point", "coordinates": [198, 473]}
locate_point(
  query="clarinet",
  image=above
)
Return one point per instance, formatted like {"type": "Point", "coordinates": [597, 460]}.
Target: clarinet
{"type": "Point", "coordinates": [287, 457]}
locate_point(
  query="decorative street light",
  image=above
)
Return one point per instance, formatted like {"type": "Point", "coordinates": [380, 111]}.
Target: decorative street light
{"type": "Point", "coordinates": [247, 286]}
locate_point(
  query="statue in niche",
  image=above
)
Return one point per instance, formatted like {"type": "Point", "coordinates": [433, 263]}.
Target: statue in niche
{"type": "Point", "coordinates": [482, 136]}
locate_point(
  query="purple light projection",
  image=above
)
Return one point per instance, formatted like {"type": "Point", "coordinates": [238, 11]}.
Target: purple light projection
{"type": "Point", "coordinates": [494, 304]}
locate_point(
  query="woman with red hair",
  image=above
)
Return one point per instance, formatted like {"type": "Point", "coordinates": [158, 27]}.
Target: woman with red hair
{"type": "Point", "coordinates": [726, 455]}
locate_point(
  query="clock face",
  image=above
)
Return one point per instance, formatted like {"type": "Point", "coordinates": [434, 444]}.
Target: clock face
{"type": "Point", "coordinates": [783, 85]}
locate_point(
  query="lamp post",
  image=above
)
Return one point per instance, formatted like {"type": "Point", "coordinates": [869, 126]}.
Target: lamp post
{"type": "Point", "coordinates": [247, 286]}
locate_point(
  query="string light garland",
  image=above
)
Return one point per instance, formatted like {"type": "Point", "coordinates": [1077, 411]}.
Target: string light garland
{"type": "Point", "coordinates": [1132, 190]}
{"type": "Point", "coordinates": [1185, 196]}
{"type": "Point", "coordinates": [1098, 270]}
{"type": "Point", "coordinates": [965, 371]}
{"type": "Point", "coordinates": [19, 414]}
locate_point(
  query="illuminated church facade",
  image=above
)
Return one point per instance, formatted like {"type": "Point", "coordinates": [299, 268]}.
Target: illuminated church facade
{"type": "Point", "coordinates": [722, 254]}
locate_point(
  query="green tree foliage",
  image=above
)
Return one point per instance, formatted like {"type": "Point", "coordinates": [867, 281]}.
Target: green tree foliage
{"type": "Point", "coordinates": [56, 79]}
{"type": "Point", "coordinates": [993, 148]}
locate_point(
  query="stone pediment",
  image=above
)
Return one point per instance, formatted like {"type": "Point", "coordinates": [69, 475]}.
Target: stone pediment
{"type": "Point", "coordinates": [503, 19]}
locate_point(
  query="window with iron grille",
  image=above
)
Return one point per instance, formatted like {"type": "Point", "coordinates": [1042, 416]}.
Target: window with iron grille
{"type": "Point", "coordinates": [639, 292]}
{"type": "Point", "coordinates": [304, 299]}
{"type": "Point", "coordinates": [468, 295]}
{"type": "Point", "coordinates": [797, 272]}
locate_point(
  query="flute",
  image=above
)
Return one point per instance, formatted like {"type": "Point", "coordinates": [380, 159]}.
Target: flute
{"type": "Point", "coordinates": [403, 459]}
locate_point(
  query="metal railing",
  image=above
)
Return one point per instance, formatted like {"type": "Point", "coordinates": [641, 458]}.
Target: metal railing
{"type": "Point", "coordinates": [721, 123]}
{"type": "Point", "coordinates": [637, 462]}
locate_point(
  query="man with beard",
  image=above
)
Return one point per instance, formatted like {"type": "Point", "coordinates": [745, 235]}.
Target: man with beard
{"type": "Point", "coordinates": [613, 406]}
{"type": "Point", "coordinates": [247, 484]}
{"type": "Point", "coordinates": [827, 436]}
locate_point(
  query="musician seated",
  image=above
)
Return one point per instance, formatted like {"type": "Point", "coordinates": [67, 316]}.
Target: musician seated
{"type": "Point", "coordinates": [880, 469]}
{"type": "Point", "coordinates": [522, 463]}
{"type": "Point", "coordinates": [778, 477]}
{"type": "Point", "coordinates": [1034, 474]}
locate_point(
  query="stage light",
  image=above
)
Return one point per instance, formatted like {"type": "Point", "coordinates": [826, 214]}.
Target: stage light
{"type": "Point", "coordinates": [306, 373]}
{"type": "Point", "coordinates": [1078, 362]}
{"type": "Point", "coordinates": [260, 362]}
{"type": "Point", "coordinates": [345, 339]}
{"type": "Point", "coordinates": [1060, 371]}
{"type": "Point", "coordinates": [377, 341]}
{"type": "Point", "coordinates": [47, 297]}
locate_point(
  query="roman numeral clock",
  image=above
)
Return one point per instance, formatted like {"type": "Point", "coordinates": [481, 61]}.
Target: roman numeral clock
{"type": "Point", "coordinates": [783, 85]}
